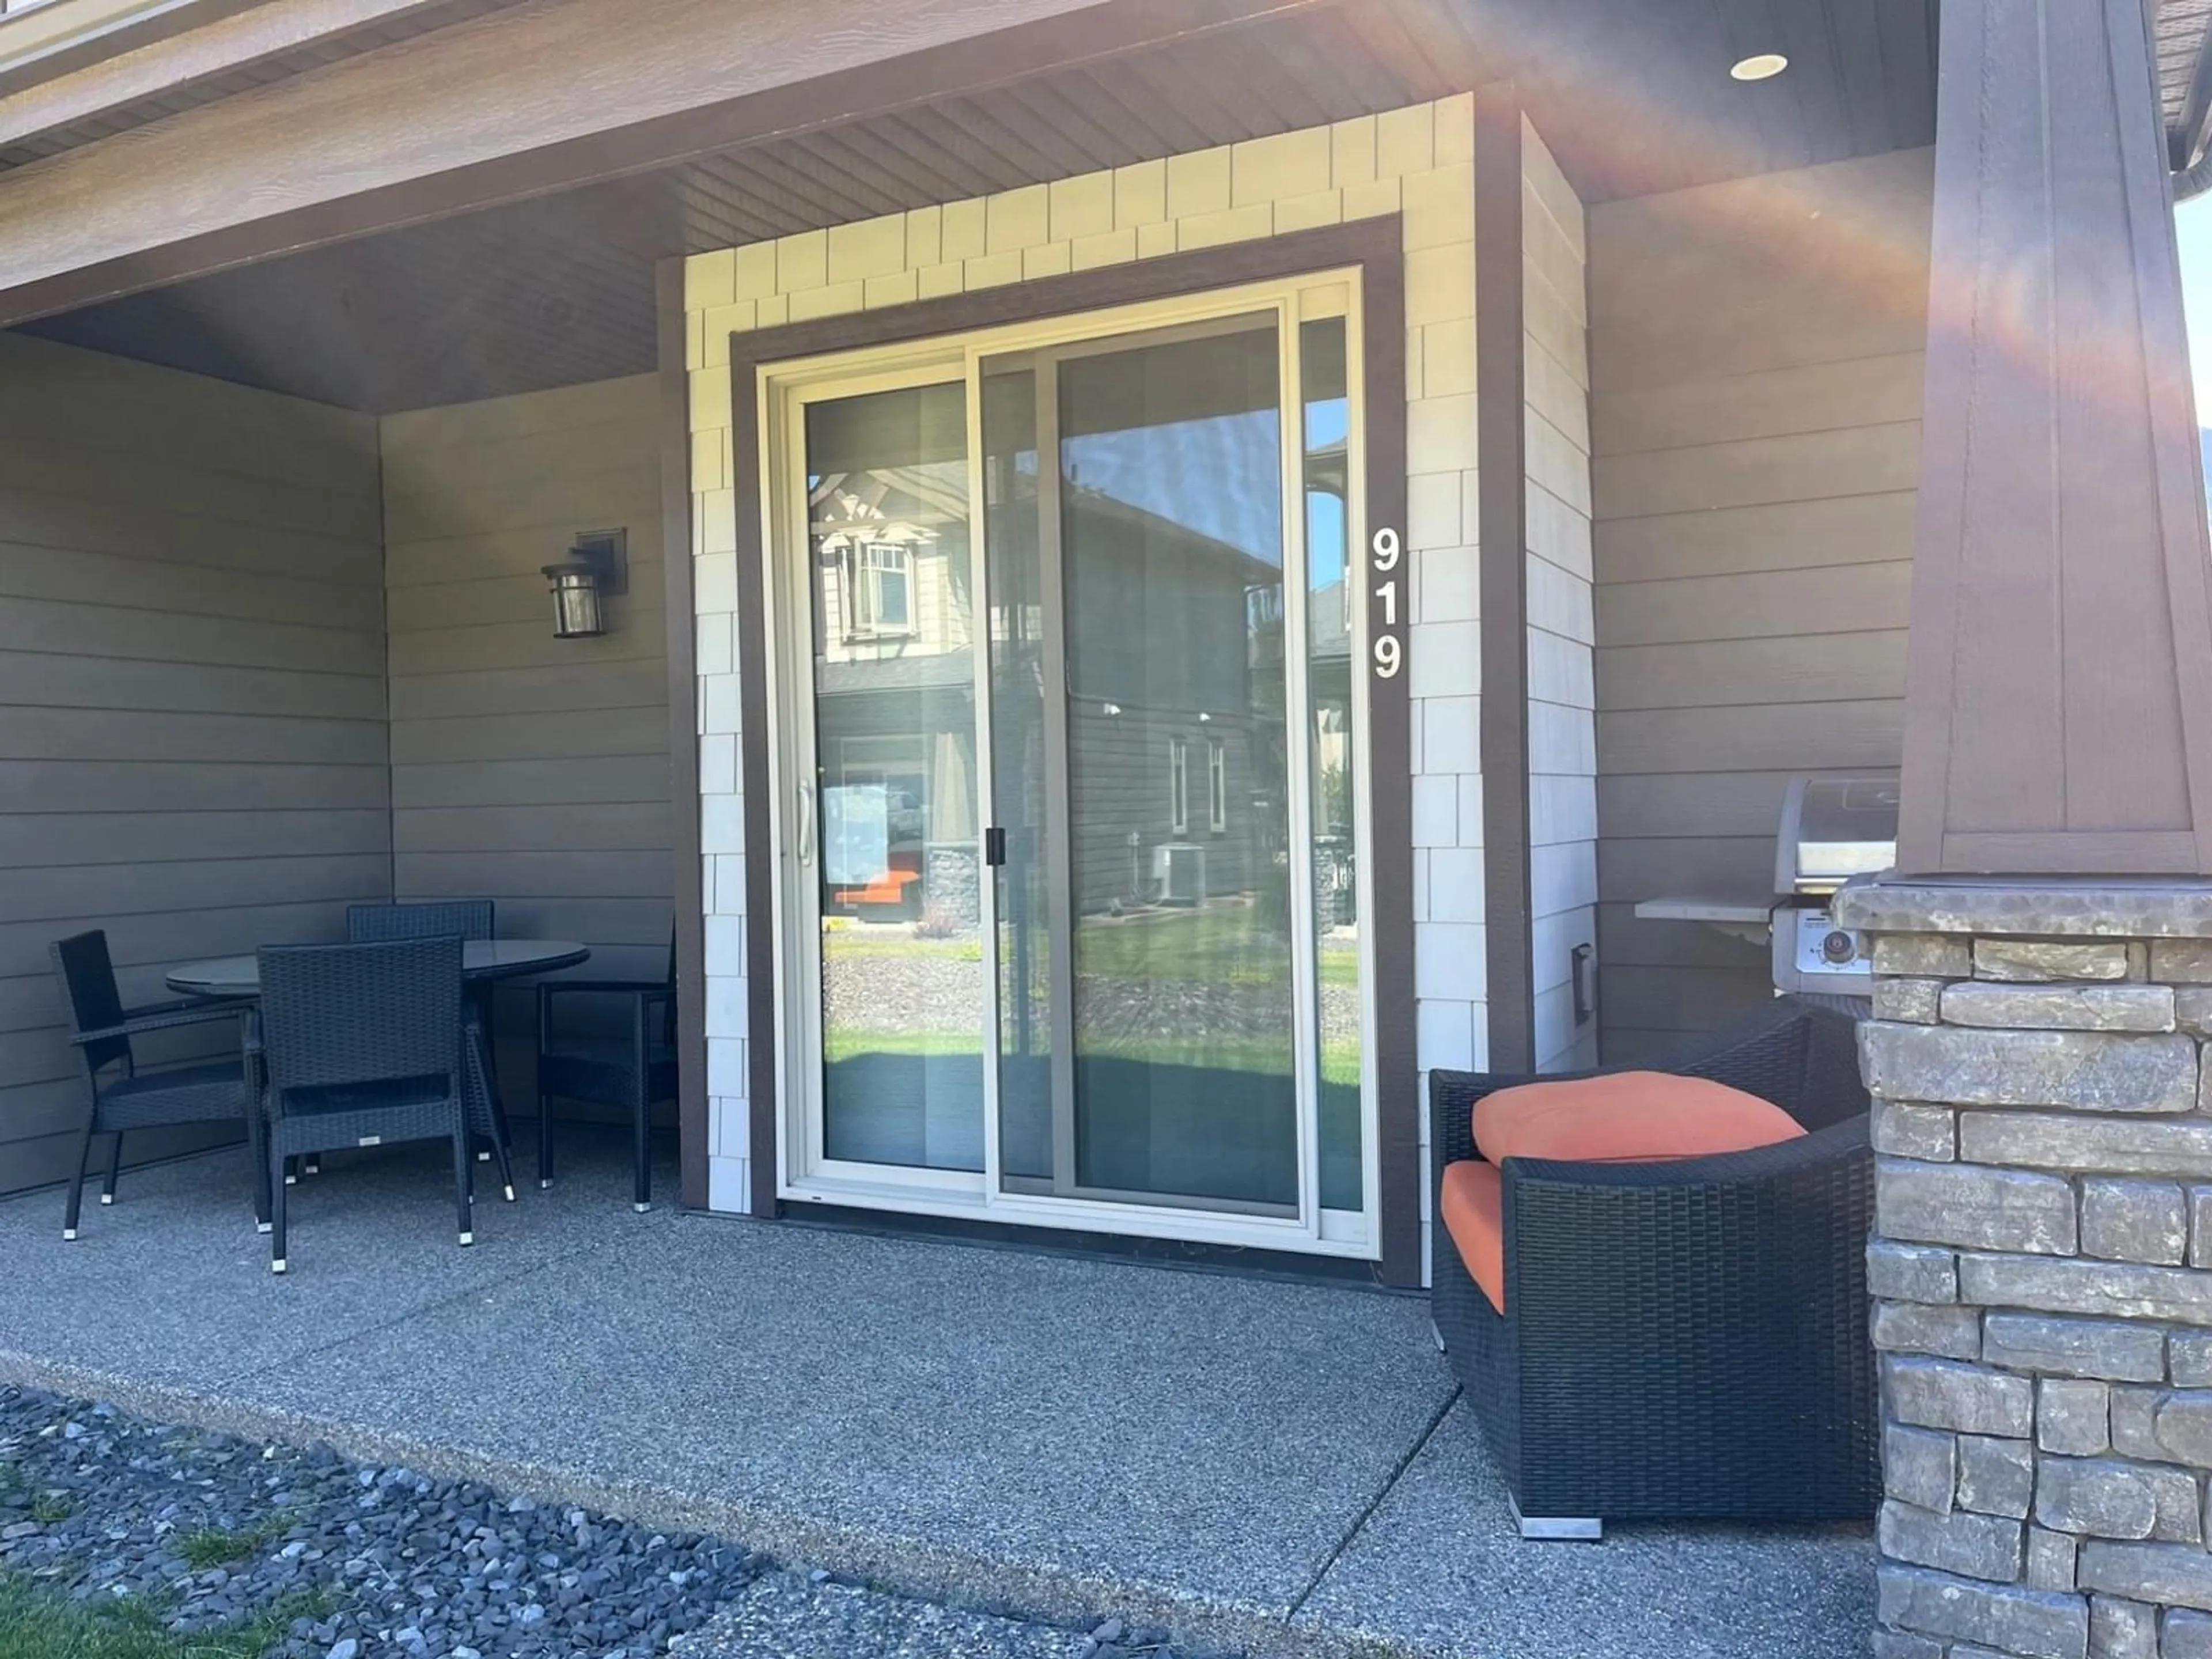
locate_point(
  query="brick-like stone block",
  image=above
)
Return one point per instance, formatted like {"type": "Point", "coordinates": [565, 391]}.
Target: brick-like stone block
{"type": "Point", "coordinates": [1972, 1545]}
{"type": "Point", "coordinates": [1904, 1644]}
{"type": "Point", "coordinates": [2072, 1417]}
{"type": "Point", "coordinates": [2118, 1145]}
{"type": "Point", "coordinates": [1935, 1394]}
{"type": "Point", "coordinates": [1912, 1272]}
{"type": "Point", "coordinates": [2125, 1220]}
{"type": "Point", "coordinates": [1953, 1332]}
{"type": "Point", "coordinates": [1977, 1205]}
{"type": "Point", "coordinates": [2064, 1285]}
{"type": "Point", "coordinates": [2171, 1575]}
{"type": "Point", "coordinates": [1904, 1128]}
{"type": "Point", "coordinates": [2192, 1008]}
{"type": "Point", "coordinates": [2200, 1226]}
{"type": "Point", "coordinates": [2059, 1007]}
{"type": "Point", "coordinates": [1915, 1002]}
{"type": "Point", "coordinates": [2050, 1559]}
{"type": "Point", "coordinates": [2181, 960]}
{"type": "Point", "coordinates": [2013, 1619]}
{"type": "Point", "coordinates": [2122, 1630]}
{"type": "Point", "coordinates": [2180, 1507]}
{"type": "Point", "coordinates": [2119, 1350]}
{"type": "Point", "coordinates": [2185, 1634]}
{"type": "Point", "coordinates": [2105, 1498]}
{"type": "Point", "coordinates": [2181, 1426]}
{"type": "Point", "coordinates": [1920, 1466]}
{"type": "Point", "coordinates": [2082, 1070]}
{"type": "Point", "coordinates": [1929, 956]}
{"type": "Point", "coordinates": [2035, 961]}
{"type": "Point", "coordinates": [2189, 1360]}
{"type": "Point", "coordinates": [1995, 1477]}
{"type": "Point", "coordinates": [2135, 1424]}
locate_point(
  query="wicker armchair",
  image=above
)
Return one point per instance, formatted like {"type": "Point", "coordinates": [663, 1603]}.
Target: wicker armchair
{"type": "Point", "coordinates": [364, 1044]}
{"type": "Point", "coordinates": [1683, 1339]}
{"type": "Point", "coordinates": [120, 1097]}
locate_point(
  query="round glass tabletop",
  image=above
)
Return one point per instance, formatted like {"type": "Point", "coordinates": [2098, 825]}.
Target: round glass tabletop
{"type": "Point", "coordinates": [481, 958]}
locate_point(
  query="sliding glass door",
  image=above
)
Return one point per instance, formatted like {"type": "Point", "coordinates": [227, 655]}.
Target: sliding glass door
{"type": "Point", "coordinates": [1071, 836]}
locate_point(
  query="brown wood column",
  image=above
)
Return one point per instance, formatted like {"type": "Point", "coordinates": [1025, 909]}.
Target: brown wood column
{"type": "Point", "coordinates": [2059, 709]}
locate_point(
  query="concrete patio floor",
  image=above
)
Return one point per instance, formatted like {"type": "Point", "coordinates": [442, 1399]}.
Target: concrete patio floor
{"type": "Point", "coordinates": [1277, 1467]}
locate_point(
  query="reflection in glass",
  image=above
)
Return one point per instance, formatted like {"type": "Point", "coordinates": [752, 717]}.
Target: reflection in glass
{"type": "Point", "coordinates": [1326, 403]}
{"type": "Point", "coordinates": [897, 842]}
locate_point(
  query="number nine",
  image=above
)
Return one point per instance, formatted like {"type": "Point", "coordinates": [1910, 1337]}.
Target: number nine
{"type": "Point", "coordinates": [1386, 656]}
{"type": "Point", "coordinates": [1386, 549]}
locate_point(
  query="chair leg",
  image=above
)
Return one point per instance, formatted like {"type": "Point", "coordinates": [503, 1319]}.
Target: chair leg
{"type": "Point", "coordinates": [544, 1140]}
{"type": "Point", "coordinates": [464, 1183]}
{"type": "Point", "coordinates": [114, 1169]}
{"type": "Point", "coordinates": [277, 1184]}
{"type": "Point", "coordinates": [76, 1185]}
{"type": "Point", "coordinates": [257, 1141]}
{"type": "Point", "coordinates": [311, 1164]}
{"type": "Point", "coordinates": [483, 1078]}
{"type": "Point", "coordinates": [291, 1172]}
{"type": "Point", "coordinates": [642, 1156]}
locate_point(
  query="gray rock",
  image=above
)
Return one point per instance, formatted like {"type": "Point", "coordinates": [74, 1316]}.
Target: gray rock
{"type": "Point", "coordinates": [2182, 1428]}
{"type": "Point", "coordinates": [2200, 1226]}
{"type": "Point", "coordinates": [344, 1648]}
{"type": "Point", "coordinates": [2081, 1071]}
{"type": "Point", "coordinates": [1975, 1205]}
{"type": "Point", "coordinates": [2107, 1499]}
{"type": "Point", "coordinates": [2185, 1635]}
{"type": "Point", "coordinates": [2181, 960]}
{"type": "Point", "coordinates": [2189, 1360]}
{"type": "Point", "coordinates": [1972, 1545]}
{"type": "Point", "coordinates": [2118, 1350]}
{"type": "Point", "coordinates": [2192, 1008]}
{"type": "Point", "coordinates": [1912, 1272]}
{"type": "Point", "coordinates": [2122, 1630]}
{"type": "Point", "coordinates": [1909, 1129]}
{"type": "Point", "coordinates": [1935, 1394]}
{"type": "Point", "coordinates": [2171, 1575]}
{"type": "Point", "coordinates": [2060, 1008]}
{"type": "Point", "coordinates": [2061, 1286]}
{"type": "Point", "coordinates": [1953, 1332]}
{"type": "Point", "coordinates": [2041, 960]}
{"type": "Point", "coordinates": [1914, 1000]}
{"type": "Point", "coordinates": [1903, 1644]}
{"type": "Point", "coordinates": [1995, 1477]}
{"type": "Point", "coordinates": [1897, 955]}
{"type": "Point", "coordinates": [2050, 1562]}
{"type": "Point", "coordinates": [2118, 1145]}
{"type": "Point", "coordinates": [2135, 1424]}
{"type": "Point", "coordinates": [2072, 1418]}
{"type": "Point", "coordinates": [1920, 1467]}
{"type": "Point", "coordinates": [2012, 1619]}
{"type": "Point", "coordinates": [2134, 1220]}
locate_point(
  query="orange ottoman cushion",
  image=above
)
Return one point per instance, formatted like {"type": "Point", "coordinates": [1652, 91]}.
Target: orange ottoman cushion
{"type": "Point", "coordinates": [1626, 1117]}
{"type": "Point", "coordinates": [1473, 1204]}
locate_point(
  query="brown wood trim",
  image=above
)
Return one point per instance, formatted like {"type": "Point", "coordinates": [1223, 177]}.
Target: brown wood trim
{"type": "Point", "coordinates": [1373, 246]}
{"type": "Point", "coordinates": [1502, 537]}
{"type": "Point", "coordinates": [991, 57]}
{"type": "Point", "coordinates": [692, 1123]}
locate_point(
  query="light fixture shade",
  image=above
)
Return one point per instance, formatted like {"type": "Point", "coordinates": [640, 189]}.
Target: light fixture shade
{"type": "Point", "coordinates": [1760, 66]}
{"type": "Point", "coordinates": [577, 614]}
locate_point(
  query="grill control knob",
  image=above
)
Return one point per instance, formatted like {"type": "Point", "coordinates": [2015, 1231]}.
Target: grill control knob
{"type": "Point", "coordinates": [1839, 947]}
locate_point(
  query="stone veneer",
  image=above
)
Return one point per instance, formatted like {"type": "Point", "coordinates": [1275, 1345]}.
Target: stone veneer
{"type": "Point", "coordinates": [2042, 1267]}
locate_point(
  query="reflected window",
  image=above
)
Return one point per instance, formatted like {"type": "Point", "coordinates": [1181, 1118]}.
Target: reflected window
{"type": "Point", "coordinates": [879, 579]}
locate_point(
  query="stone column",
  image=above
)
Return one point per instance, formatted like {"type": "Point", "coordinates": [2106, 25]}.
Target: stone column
{"type": "Point", "coordinates": [2042, 1266]}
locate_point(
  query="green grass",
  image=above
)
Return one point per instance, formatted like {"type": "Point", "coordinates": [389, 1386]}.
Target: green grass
{"type": "Point", "coordinates": [48, 1510]}
{"type": "Point", "coordinates": [215, 1546]}
{"type": "Point", "coordinates": [1340, 1058]}
{"type": "Point", "coordinates": [37, 1625]}
{"type": "Point", "coordinates": [1219, 944]}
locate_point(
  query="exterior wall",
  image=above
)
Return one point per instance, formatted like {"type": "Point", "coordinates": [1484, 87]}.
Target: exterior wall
{"type": "Point", "coordinates": [1417, 161]}
{"type": "Point", "coordinates": [530, 770]}
{"type": "Point", "coordinates": [1756, 350]}
{"type": "Point", "coordinates": [1562, 692]}
{"type": "Point", "coordinates": [192, 737]}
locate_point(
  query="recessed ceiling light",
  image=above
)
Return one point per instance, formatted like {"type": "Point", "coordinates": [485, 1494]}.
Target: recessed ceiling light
{"type": "Point", "coordinates": [1762, 66]}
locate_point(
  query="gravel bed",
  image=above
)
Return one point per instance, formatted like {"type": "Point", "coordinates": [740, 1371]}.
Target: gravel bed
{"type": "Point", "coordinates": [386, 1564]}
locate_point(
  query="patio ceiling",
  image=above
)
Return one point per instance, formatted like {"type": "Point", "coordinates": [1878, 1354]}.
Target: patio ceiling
{"type": "Point", "coordinates": [1632, 95]}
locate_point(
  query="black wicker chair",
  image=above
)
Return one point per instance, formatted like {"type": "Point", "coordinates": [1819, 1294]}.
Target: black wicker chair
{"type": "Point", "coordinates": [632, 1067]}
{"type": "Point", "coordinates": [364, 1044]}
{"type": "Point", "coordinates": [1683, 1339]}
{"type": "Point", "coordinates": [119, 1097]}
{"type": "Point", "coordinates": [465, 919]}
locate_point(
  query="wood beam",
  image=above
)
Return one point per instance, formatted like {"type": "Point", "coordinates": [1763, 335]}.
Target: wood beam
{"type": "Point", "coordinates": [517, 104]}
{"type": "Point", "coordinates": [2058, 713]}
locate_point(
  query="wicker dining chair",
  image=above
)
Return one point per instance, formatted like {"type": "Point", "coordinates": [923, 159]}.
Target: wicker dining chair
{"type": "Point", "coordinates": [1682, 1339]}
{"type": "Point", "coordinates": [364, 1044]}
{"type": "Point", "coordinates": [467, 919]}
{"type": "Point", "coordinates": [121, 1096]}
{"type": "Point", "coordinates": [631, 1068]}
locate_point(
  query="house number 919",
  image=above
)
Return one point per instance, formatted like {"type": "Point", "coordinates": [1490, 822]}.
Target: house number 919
{"type": "Point", "coordinates": [1389, 652]}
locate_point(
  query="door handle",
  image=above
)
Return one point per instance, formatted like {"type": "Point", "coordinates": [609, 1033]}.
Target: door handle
{"type": "Point", "coordinates": [806, 824]}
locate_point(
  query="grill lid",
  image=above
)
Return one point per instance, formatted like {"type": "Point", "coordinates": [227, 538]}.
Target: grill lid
{"type": "Point", "coordinates": [1834, 827]}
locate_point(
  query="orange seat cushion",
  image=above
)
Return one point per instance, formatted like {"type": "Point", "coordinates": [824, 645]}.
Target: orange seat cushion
{"type": "Point", "coordinates": [1473, 1205]}
{"type": "Point", "coordinates": [1626, 1117]}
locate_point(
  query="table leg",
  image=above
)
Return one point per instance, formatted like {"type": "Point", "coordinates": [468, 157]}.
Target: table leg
{"type": "Point", "coordinates": [484, 1113]}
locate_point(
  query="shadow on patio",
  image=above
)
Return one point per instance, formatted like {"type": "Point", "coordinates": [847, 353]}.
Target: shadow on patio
{"type": "Point", "coordinates": [1253, 1463]}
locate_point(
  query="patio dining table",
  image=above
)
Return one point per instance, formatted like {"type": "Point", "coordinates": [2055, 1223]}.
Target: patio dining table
{"type": "Point", "coordinates": [483, 961]}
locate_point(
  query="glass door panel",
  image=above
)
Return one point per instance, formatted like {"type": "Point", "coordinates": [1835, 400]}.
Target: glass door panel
{"type": "Point", "coordinates": [896, 848]}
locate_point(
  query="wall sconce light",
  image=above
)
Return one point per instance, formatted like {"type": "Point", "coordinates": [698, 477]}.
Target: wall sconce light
{"type": "Point", "coordinates": [598, 566]}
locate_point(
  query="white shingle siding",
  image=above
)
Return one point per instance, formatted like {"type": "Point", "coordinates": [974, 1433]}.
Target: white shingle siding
{"type": "Point", "coordinates": [1418, 161]}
